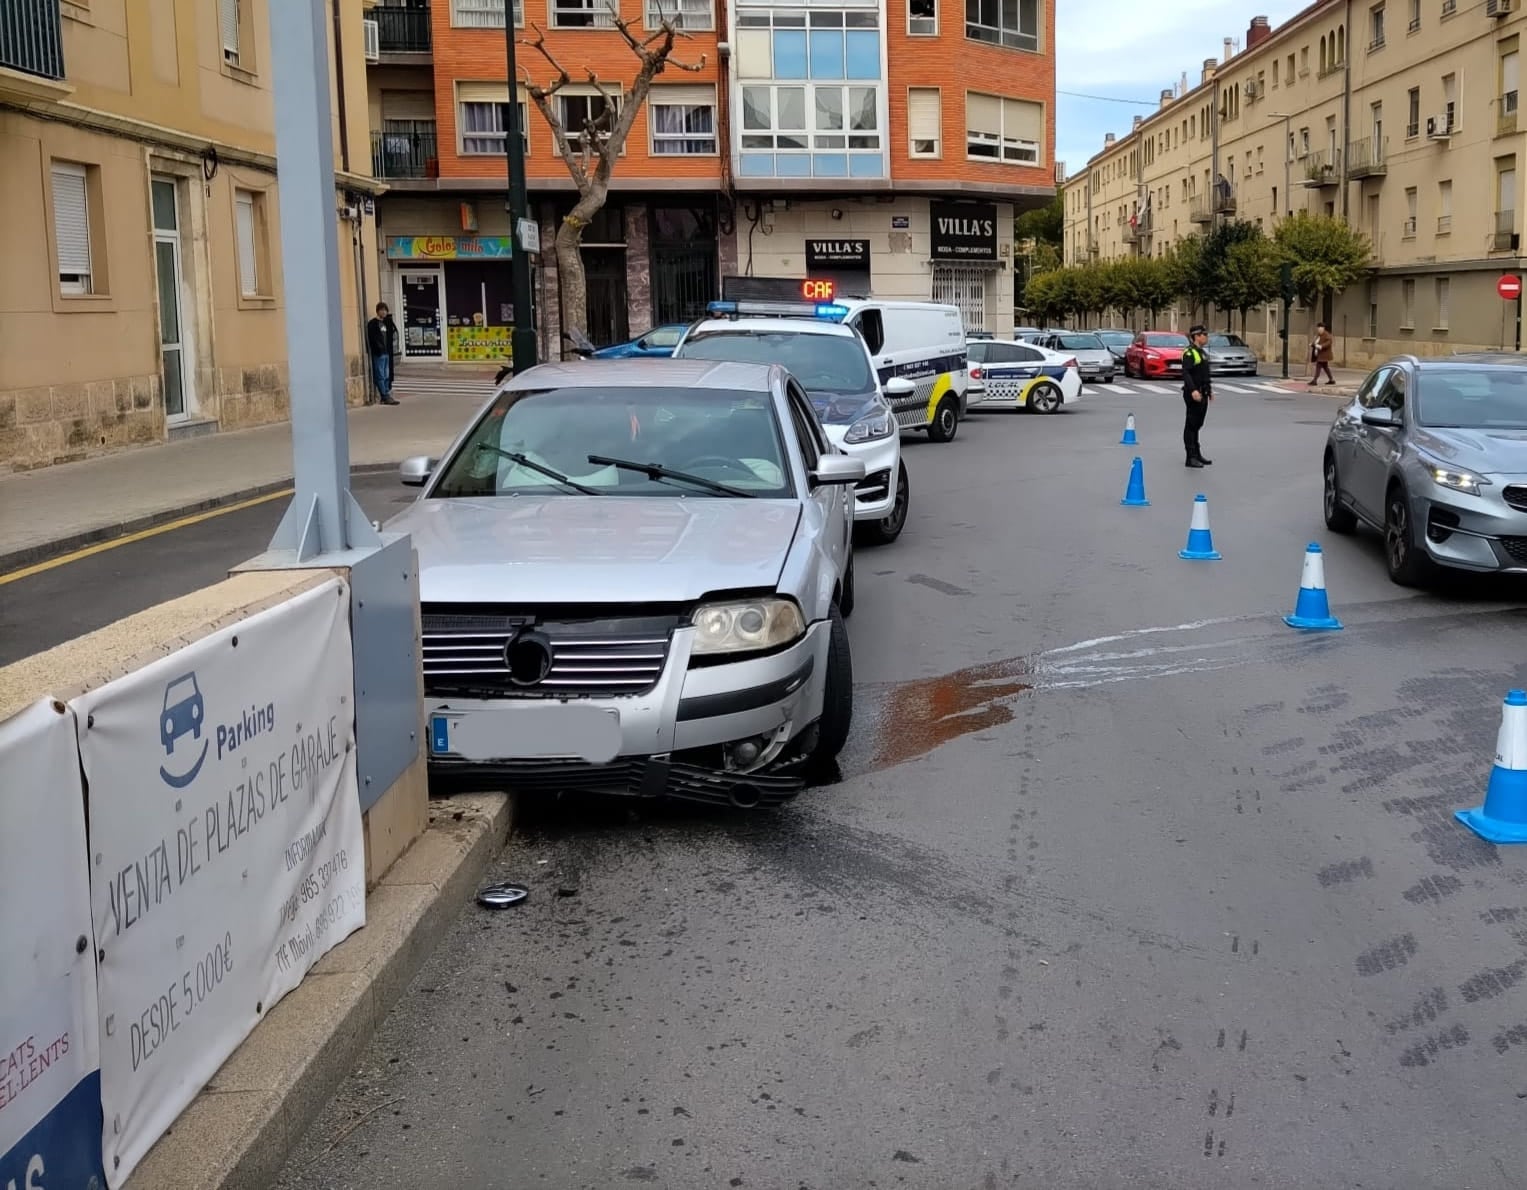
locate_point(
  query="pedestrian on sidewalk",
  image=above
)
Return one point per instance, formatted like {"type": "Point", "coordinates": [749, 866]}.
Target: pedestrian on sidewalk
{"type": "Point", "coordinates": [1323, 342]}
{"type": "Point", "coordinates": [1197, 392]}
{"type": "Point", "coordinates": [382, 344]}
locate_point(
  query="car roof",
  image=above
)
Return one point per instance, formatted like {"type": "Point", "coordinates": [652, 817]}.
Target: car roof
{"type": "Point", "coordinates": [1498, 359]}
{"type": "Point", "coordinates": [646, 373]}
{"type": "Point", "coordinates": [764, 324]}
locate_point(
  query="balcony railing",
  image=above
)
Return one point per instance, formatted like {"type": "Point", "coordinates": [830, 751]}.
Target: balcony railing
{"type": "Point", "coordinates": [1367, 158]}
{"type": "Point", "coordinates": [31, 39]}
{"type": "Point", "coordinates": [1323, 168]}
{"type": "Point", "coordinates": [1505, 232]}
{"type": "Point", "coordinates": [402, 30]}
{"type": "Point", "coordinates": [1444, 225]}
{"type": "Point", "coordinates": [405, 152]}
{"type": "Point", "coordinates": [1199, 210]}
{"type": "Point", "coordinates": [1224, 198]}
{"type": "Point", "coordinates": [1505, 114]}
{"type": "Point", "coordinates": [1408, 229]}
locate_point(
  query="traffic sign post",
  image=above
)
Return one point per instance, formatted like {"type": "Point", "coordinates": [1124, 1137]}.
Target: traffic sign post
{"type": "Point", "coordinates": [1509, 286]}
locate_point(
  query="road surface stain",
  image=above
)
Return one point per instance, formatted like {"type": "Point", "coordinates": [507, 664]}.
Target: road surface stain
{"type": "Point", "coordinates": [922, 714]}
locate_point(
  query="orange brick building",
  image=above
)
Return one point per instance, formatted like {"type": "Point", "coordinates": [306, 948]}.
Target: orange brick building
{"type": "Point", "coordinates": [820, 138]}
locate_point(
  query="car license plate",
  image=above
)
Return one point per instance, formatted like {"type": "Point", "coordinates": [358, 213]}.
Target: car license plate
{"type": "Point", "coordinates": [528, 731]}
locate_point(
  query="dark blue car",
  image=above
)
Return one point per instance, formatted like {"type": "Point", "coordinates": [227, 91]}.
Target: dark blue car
{"type": "Point", "coordinates": [658, 343]}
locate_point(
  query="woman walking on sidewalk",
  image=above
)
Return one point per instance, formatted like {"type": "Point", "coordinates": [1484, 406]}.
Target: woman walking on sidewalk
{"type": "Point", "coordinates": [1322, 355]}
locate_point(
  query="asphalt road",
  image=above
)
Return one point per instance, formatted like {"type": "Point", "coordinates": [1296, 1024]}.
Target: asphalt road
{"type": "Point", "coordinates": [1125, 883]}
{"type": "Point", "coordinates": [98, 589]}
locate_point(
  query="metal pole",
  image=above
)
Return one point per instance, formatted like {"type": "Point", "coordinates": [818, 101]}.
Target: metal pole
{"type": "Point", "coordinates": [1288, 155]}
{"type": "Point", "coordinates": [523, 340]}
{"type": "Point", "coordinates": [323, 517]}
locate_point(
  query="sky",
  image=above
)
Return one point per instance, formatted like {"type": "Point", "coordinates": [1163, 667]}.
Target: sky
{"type": "Point", "coordinates": [1111, 50]}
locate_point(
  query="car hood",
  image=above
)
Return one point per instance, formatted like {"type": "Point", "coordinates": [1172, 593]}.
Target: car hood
{"type": "Point", "coordinates": [1165, 352]}
{"type": "Point", "coordinates": [842, 409]}
{"type": "Point", "coordinates": [1091, 355]}
{"type": "Point", "coordinates": [596, 549]}
{"type": "Point", "coordinates": [1484, 452]}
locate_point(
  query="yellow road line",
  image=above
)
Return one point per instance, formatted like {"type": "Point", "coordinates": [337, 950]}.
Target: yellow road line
{"type": "Point", "coordinates": [101, 547]}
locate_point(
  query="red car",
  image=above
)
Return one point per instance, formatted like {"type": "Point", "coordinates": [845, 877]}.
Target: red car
{"type": "Point", "coordinates": [1155, 355]}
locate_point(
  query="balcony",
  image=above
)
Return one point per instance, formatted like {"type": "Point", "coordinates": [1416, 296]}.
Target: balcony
{"type": "Point", "coordinates": [1367, 158]}
{"type": "Point", "coordinates": [1506, 239]}
{"type": "Point", "coordinates": [1224, 198]}
{"type": "Point", "coordinates": [31, 50]}
{"type": "Point", "coordinates": [1323, 169]}
{"type": "Point", "coordinates": [405, 150]}
{"type": "Point", "coordinates": [1505, 114]}
{"type": "Point", "coordinates": [401, 30]}
{"type": "Point", "coordinates": [1199, 210]}
{"type": "Point", "coordinates": [1444, 225]}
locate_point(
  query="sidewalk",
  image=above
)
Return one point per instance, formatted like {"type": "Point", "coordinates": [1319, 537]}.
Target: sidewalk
{"type": "Point", "coordinates": [52, 510]}
{"type": "Point", "coordinates": [1347, 381]}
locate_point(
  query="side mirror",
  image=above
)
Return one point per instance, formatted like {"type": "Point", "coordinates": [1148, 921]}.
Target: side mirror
{"type": "Point", "coordinates": [899, 386]}
{"type": "Point", "coordinates": [415, 472]}
{"type": "Point", "coordinates": [837, 469]}
{"type": "Point", "coordinates": [1380, 415]}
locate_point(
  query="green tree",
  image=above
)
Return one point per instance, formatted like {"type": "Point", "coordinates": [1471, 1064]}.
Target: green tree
{"type": "Point", "coordinates": [1189, 274]}
{"type": "Point", "coordinates": [1039, 296]}
{"type": "Point", "coordinates": [1087, 291]}
{"type": "Point", "coordinates": [1326, 254]}
{"type": "Point", "coordinates": [1250, 276]}
{"type": "Point", "coordinates": [1045, 224]}
{"type": "Point", "coordinates": [1149, 283]}
{"type": "Point", "coordinates": [1215, 262]}
{"type": "Point", "coordinates": [1115, 291]}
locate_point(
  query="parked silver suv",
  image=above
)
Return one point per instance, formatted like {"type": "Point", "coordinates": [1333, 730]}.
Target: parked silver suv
{"type": "Point", "coordinates": [633, 581]}
{"type": "Point", "coordinates": [1433, 453]}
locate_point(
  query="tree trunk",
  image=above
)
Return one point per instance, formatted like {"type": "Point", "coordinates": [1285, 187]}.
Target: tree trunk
{"type": "Point", "coordinates": [570, 275]}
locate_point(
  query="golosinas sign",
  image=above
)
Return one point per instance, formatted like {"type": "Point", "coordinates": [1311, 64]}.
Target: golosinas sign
{"type": "Point", "coordinates": [963, 230]}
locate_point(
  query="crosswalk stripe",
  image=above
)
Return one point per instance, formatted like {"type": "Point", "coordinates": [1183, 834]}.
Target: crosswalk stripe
{"type": "Point", "coordinates": [1234, 388]}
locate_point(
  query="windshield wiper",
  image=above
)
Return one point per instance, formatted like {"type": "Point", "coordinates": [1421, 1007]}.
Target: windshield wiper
{"type": "Point", "coordinates": [658, 471]}
{"type": "Point", "coordinates": [529, 464]}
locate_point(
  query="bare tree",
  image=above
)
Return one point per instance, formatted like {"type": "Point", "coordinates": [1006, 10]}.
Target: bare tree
{"type": "Point", "coordinates": [590, 152]}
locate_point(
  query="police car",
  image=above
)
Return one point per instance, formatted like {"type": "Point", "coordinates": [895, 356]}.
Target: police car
{"type": "Point", "coordinates": [833, 365]}
{"type": "Point", "coordinates": [1023, 376]}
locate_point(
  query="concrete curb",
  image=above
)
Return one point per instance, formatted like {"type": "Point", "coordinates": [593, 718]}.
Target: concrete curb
{"type": "Point", "coordinates": [240, 1130]}
{"type": "Point", "coordinates": [31, 555]}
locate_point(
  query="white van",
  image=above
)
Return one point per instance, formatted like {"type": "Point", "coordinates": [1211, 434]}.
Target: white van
{"type": "Point", "coordinates": [923, 342]}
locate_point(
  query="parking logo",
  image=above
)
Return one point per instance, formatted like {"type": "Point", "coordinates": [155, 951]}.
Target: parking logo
{"type": "Point", "coordinates": [183, 715]}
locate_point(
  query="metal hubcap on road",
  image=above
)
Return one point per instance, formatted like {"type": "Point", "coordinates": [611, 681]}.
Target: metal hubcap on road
{"type": "Point", "coordinates": [1397, 534]}
{"type": "Point", "coordinates": [1330, 493]}
{"type": "Point", "coordinates": [946, 420]}
{"type": "Point", "coordinates": [1046, 399]}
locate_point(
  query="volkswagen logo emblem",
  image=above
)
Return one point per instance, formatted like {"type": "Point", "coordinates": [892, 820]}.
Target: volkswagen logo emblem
{"type": "Point", "coordinates": [528, 657]}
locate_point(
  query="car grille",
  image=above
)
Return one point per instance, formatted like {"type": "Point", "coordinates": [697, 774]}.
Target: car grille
{"type": "Point", "coordinates": [1515, 494]}
{"type": "Point", "coordinates": [1516, 547]}
{"type": "Point", "coordinates": [630, 777]}
{"type": "Point", "coordinates": [873, 487]}
{"type": "Point", "coordinates": [464, 651]}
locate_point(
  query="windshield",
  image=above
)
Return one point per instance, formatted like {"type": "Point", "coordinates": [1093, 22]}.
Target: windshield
{"type": "Point", "coordinates": [1166, 340]}
{"type": "Point", "coordinates": [726, 437]}
{"type": "Point", "coordinates": [1225, 341]}
{"type": "Point", "coordinates": [1473, 398]}
{"type": "Point", "coordinates": [822, 363]}
{"type": "Point", "coordinates": [1080, 343]}
{"type": "Point", "coordinates": [664, 336]}
{"type": "Point", "coordinates": [1116, 338]}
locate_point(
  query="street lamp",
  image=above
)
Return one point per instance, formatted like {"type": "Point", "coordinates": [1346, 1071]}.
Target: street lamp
{"type": "Point", "coordinates": [1288, 204]}
{"type": "Point", "coordinates": [522, 340]}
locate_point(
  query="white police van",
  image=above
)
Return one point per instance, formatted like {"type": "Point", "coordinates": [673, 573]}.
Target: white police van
{"type": "Point", "coordinates": [923, 342]}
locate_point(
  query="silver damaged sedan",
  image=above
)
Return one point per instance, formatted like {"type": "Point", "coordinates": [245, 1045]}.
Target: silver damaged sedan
{"type": "Point", "coordinates": [633, 580]}
{"type": "Point", "coordinates": [1433, 453]}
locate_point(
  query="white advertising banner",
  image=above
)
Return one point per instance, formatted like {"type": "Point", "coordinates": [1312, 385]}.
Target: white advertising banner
{"type": "Point", "coordinates": [50, 1088]}
{"type": "Point", "coordinates": [225, 849]}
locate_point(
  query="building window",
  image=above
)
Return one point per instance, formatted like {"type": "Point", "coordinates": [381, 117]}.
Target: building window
{"type": "Point", "coordinates": [1409, 230]}
{"type": "Point", "coordinates": [1011, 23]}
{"type": "Point", "coordinates": [1407, 305]}
{"type": "Point", "coordinates": [1415, 16]}
{"type": "Point", "coordinates": [1508, 91]}
{"type": "Point", "coordinates": [1450, 101]}
{"type": "Point", "coordinates": [922, 18]}
{"type": "Point", "coordinates": [925, 118]}
{"type": "Point", "coordinates": [1444, 292]}
{"type": "Point", "coordinates": [228, 23]}
{"type": "Point", "coordinates": [964, 287]}
{"type": "Point", "coordinates": [1373, 310]}
{"type": "Point", "coordinates": [683, 121]}
{"type": "Point", "coordinates": [591, 113]}
{"type": "Point", "coordinates": [482, 126]}
{"type": "Point", "coordinates": [681, 14]}
{"type": "Point", "coordinates": [244, 235]}
{"type": "Point", "coordinates": [71, 229]}
{"type": "Point", "coordinates": [581, 14]}
{"type": "Point", "coordinates": [484, 14]}
{"type": "Point", "coordinates": [1413, 113]}
{"type": "Point", "coordinates": [1376, 28]}
{"type": "Point", "coordinates": [1006, 130]}
{"type": "Point", "coordinates": [1444, 207]}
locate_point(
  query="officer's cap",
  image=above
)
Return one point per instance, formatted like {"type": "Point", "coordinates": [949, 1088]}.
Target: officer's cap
{"type": "Point", "coordinates": [1197, 328]}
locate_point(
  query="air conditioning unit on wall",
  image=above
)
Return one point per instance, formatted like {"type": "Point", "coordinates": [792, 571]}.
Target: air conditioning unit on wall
{"type": "Point", "coordinates": [1499, 8]}
{"type": "Point", "coordinates": [1439, 127]}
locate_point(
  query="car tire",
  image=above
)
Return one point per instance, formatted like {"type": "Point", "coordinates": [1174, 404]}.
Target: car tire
{"type": "Point", "coordinates": [888, 528]}
{"type": "Point", "coordinates": [1107, 379]}
{"type": "Point", "coordinates": [837, 693]}
{"type": "Point", "coordinates": [1339, 518]}
{"type": "Point", "coordinates": [1407, 564]}
{"type": "Point", "coordinates": [1046, 398]}
{"type": "Point", "coordinates": [1128, 372]}
{"type": "Point", "coordinates": [846, 597]}
{"type": "Point", "coordinates": [946, 420]}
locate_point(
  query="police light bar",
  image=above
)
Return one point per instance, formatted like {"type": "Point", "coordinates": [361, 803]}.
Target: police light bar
{"type": "Point", "coordinates": [826, 310]}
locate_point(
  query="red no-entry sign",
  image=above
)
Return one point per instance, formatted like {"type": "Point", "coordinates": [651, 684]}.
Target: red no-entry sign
{"type": "Point", "coordinates": [1509, 287]}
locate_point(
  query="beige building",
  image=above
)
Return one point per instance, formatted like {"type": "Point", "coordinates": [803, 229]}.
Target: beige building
{"type": "Point", "coordinates": [1399, 115]}
{"type": "Point", "coordinates": [141, 298]}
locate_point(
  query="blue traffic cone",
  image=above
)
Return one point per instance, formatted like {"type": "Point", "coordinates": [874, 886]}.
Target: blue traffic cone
{"type": "Point", "coordinates": [1312, 611]}
{"type": "Point", "coordinates": [1129, 438]}
{"type": "Point", "coordinates": [1200, 547]}
{"type": "Point", "coordinates": [1134, 494]}
{"type": "Point", "coordinates": [1503, 817]}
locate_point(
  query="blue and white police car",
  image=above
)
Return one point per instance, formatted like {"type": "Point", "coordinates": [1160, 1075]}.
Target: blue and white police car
{"type": "Point", "coordinates": [1022, 376]}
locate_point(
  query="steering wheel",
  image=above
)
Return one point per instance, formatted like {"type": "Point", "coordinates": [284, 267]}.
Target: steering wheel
{"type": "Point", "coordinates": [723, 462]}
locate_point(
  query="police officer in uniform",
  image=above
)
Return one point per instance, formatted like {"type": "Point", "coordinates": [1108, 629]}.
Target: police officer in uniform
{"type": "Point", "coordinates": [1197, 392]}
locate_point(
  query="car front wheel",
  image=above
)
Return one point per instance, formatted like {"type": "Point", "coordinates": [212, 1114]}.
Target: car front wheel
{"type": "Point", "coordinates": [837, 694]}
{"type": "Point", "coordinates": [846, 599]}
{"type": "Point", "coordinates": [888, 528]}
{"type": "Point", "coordinates": [1339, 518]}
{"type": "Point", "coordinates": [1407, 564]}
{"type": "Point", "coordinates": [946, 420]}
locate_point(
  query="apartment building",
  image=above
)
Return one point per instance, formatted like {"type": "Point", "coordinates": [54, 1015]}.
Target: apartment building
{"type": "Point", "coordinates": [142, 296]}
{"type": "Point", "coordinates": [1398, 115]}
{"type": "Point", "coordinates": [820, 138]}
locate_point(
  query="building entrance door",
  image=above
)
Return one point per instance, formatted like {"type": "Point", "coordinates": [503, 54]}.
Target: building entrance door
{"type": "Point", "coordinates": [177, 359]}
{"type": "Point", "coordinates": [421, 315]}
